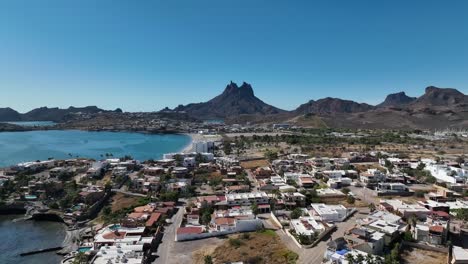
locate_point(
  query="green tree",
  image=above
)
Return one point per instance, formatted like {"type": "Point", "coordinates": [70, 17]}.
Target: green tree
{"type": "Point", "coordinates": [206, 218]}
{"type": "Point", "coordinates": [296, 213]}
{"type": "Point", "coordinates": [350, 258]}
{"type": "Point", "coordinates": [271, 155]}
{"type": "Point", "coordinates": [199, 158]}
{"type": "Point", "coordinates": [350, 199]}
{"type": "Point", "coordinates": [304, 239]}
{"type": "Point", "coordinates": [108, 186]}
{"type": "Point", "coordinates": [178, 159]}
{"type": "Point", "coordinates": [208, 259]}
{"type": "Point", "coordinates": [227, 149]}
{"type": "Point", "coordinates": [80, 258]}
{"type": "Point", "coordinates": [461, 214]}
{"type": "Point", "coordinates": [359, 258]}
{"type": "Point", "coordinates": [346, 190]}
{"type": "Point", "coordinates": [254, 208]}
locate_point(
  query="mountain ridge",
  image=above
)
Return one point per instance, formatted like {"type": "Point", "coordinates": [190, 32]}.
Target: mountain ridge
{"type": "Point", "coordinates": [436, 108]}
{"type": "Point", "coordinates": [44, 113]}
{"type": "Point", "coordinates": [397, 100]}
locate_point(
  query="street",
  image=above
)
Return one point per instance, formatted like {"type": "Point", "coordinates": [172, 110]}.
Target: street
{"type": "Point", "coordinates": [255, 185]}
{"type": "Point", "coordinates": [168, 241]}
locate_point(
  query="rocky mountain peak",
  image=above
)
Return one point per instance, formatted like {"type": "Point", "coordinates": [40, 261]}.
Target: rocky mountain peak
{"type": "Point", "coordinates": [397, 100]}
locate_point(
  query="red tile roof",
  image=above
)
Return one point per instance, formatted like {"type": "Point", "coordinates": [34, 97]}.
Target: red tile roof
{"type": "Point", "coordinates": [224, 221]}
{"type": "Point", "coordinates": [441, 214]}
{"type": "Point", "coordinates": [190, 230]}
{"type": "Point", "coordinates": [438, 229]}
{"type": "Point", "coordinates": [136, 215]}
{"type": "Point", "coordinates": [153, 219]}
{"type": "Point", "coordinates": [169, 204]}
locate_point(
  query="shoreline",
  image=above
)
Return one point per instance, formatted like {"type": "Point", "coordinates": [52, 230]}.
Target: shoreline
{"type": "Point", "coordinates": [182, 147]}
{"type": "Point", "coordinates": [195, 137]}
{"type": "Point", "coordinates": [189, 147]}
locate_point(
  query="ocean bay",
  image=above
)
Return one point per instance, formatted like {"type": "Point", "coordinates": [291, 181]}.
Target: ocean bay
{"type": "Point", "coordinates": [16, 147]}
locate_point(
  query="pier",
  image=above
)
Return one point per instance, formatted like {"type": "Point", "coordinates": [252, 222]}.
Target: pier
{"type": "Point", "coordinates": [40, 251]}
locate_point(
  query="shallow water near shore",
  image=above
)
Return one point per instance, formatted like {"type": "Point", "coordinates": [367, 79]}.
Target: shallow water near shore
{"type": "Point", "coordinates": [19, 236]}
{"type": "Point", "coordinates": [16, 147]}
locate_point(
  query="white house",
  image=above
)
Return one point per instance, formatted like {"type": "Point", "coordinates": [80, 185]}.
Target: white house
{"type": "Point", "coordinates": [329, 213]}
{"type": "Point", "coordinates": [307, 225]}
{"type": "Point", "coordinates": [247, 199]}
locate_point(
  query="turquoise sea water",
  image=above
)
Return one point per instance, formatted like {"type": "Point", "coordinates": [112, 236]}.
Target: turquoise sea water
{"type": "Point", "coordinates": [33, 123]}
{"type": "Point", "coordinates": [20, 236]}
{"type": "Point", "coordinates": [16, 147]}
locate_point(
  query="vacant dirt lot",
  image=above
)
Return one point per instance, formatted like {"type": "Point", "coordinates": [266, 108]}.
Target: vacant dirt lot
{"type": "Point", "coordinates": [120, 201]}
{"type": "Point", "coordinates": [254, 164]}
{"type": "Point", "coordinates": [257, 247]}
{"type": "Point", "coordinates": [419, 256]}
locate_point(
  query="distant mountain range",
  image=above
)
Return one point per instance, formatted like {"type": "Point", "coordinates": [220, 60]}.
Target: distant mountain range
{"type": "Point", "coordinates": [48, 114]}
{"type": "Point", "coordinates": [437, 108]}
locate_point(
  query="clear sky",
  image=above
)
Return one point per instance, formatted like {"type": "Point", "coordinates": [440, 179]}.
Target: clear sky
{"type": "Point", "coordinates": [145, 55]}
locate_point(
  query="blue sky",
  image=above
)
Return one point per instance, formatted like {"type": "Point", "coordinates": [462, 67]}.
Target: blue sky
{"type": "Point", "coordinates": [145, 55]}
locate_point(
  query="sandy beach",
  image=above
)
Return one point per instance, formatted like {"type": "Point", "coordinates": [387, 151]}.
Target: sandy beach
{"type": "Point", "coordinates": [196, 138]}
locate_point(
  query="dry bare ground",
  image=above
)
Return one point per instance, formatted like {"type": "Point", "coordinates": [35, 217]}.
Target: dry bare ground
{"type": "Point", "coordinates": [257, 247]}
{"type": "Point", "coordinates": [254, 164]}
{"type": "Point", "coordinates": [420, 256]}
{"type": "Point", "coordinates": [120, 201]}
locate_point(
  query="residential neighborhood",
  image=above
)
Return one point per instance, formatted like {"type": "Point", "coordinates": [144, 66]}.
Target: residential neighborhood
{"type": "Point", "coordinates": [360, 207]}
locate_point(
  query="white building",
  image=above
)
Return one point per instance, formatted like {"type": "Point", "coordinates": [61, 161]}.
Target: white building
{"type": "Point", "coordinates": [115, 234]}
{"type": "Point", "coordinates": [447, 173]}
{"type": "Point", "coordinates": [307, 225]}
{"type": "Point", "coordinates": [120, 253]}
{"type": "Point", "coordinates": [203, 146]}
{"type": "Point", "coordinates": [247, 199]}
{"type": "Point", "coordinates": [460, 255]}
{"type": "Point", "coordinates": [387, 187]}
{"type": "Point", "coordinates": [329, 213]}
{"type": "Point", "coordinates": [406, 210]}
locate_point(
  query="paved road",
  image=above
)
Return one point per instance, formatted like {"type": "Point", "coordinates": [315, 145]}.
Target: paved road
{"type": "Point", "coordinates": [166, 247]}
{"type": "Point", "coordinates": [315, 255]}
{"type": "Point", "coordinates": [253, 180]}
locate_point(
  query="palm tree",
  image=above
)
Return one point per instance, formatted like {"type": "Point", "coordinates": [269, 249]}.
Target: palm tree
{"type": "Point", "coordinates": [369, 259]}
{"type": "Point", "coordinates": [412, 221]}
{"type": "Point", "coordinates": [254, 208]}
{"type": "Point", "coordinates": [350, 258]}
{"type": "Point", "coordinates": [359, 258]}
{"type": "Point", "coordinates": [80, 258]}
